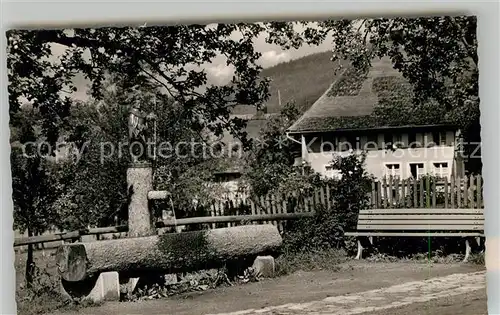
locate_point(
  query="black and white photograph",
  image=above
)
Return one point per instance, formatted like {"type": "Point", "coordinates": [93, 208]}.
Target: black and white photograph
{"type": "Point", "coordinates": [328, 166]}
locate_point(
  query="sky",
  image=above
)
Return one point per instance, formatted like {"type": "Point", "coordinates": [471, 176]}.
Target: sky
{"type": "Point", "coordinates": [217, 71]}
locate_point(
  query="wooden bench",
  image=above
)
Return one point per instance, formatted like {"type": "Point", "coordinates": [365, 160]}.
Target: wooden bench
{"type": "Point", "coordinates": [432, 222]}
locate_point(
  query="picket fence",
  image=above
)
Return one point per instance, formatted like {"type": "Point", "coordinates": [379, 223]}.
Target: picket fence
{"type": "Point", "coordinates": [424, 192]}
{"type": "Point", "coordinates": [427, 192]}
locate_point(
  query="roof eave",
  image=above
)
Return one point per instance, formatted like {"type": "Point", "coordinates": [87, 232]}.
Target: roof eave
{"type": "Point", "coordinates": [305, 131]}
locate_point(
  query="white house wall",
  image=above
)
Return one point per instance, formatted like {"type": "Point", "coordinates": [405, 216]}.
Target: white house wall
{"type": "Point", "coordinates": [376, 160]}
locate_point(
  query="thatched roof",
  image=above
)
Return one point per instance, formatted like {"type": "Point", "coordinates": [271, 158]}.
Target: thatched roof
{"type": "Point", "coordinates": [350, 101]}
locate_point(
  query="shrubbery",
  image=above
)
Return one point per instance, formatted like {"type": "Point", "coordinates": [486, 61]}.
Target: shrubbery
{"type": "Point", "coordinates": [326, 229]}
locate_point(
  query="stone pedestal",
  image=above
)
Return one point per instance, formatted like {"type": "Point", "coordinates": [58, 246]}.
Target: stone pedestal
{"type": "Point", "coordinates": [105, 288]}
{"type": "Point", "coordinates": [264, 267]}
{"type": "Point", "coordinates": [139, 183]}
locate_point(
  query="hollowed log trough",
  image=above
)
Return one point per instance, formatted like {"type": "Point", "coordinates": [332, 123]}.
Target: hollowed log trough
{"type": "Point", "coordinates": [167, 253]}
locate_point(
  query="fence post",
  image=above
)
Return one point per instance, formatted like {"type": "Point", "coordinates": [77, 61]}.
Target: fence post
{"type": "Point", "coordinates": [446, 193]}
{"type": "Point", "coordinates": [471, 195]}
{"type": "Point", "coordinates": [322, 196]}
{"type": "Point", "coordinates": [421, 184]}
{"type": "Point", "coordinates": [434, 192]}
{"type": "Point", "coordinates": [328, 201]}
{"type": "Point", "coordinates": [415, 193]}
{"type": "Point", "coordinates": [212, 213]}
{"type": "Point", "coordinates": [391, 199]}
{"type": "Point", "coordinates": [379, 194]}
{"type": "Point", "coordinates": [452, 191]}
{"type": "Point", "coordinates": [272, 202]}
{"type": "Point", "coordinates": [428, 195]}
{"type": "Point", "coordinates": [384, 187]}
{"type": "Point", "coordinates": [408, 191]}
{"type": "Point", "coordinates": [479, 195]}
{"type": "Point", "coordinates": [466, 192]}
{"type": "Point", "coordinates": [373, 201]}
{"type": "Point", "coordinates": [396, 192]}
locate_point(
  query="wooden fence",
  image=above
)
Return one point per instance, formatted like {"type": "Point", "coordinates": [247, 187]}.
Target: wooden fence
{"type": "Point", "coordinates": [426, 192]}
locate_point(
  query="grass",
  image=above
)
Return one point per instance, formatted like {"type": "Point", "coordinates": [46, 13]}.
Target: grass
{"type": "Point", "coordinates": [43, 297]}
{"type": "Point", "coordinates": [436, 257]}
{"type": "Point", "coordinates": [289, 263]}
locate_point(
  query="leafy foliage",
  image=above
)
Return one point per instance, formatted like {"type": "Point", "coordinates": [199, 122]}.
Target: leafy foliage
{"type": "Point", "coordinates": [271, 160]}
{"type": "Point", "coordinates": [326, 229]}
{"type": "Point", "coordinates": [170, 56]}
{"type": "Point", "coordinates": [95, 187]}
{"type": "Point", "coordinates": [33, 189]}
{"type": "Point", "coordinates": [352, 191]}
{"type": "Point", "coordinates": [437, 55]}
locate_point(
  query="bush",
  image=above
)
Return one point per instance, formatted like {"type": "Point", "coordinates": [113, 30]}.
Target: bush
{"type": "Point", "coordinates": [326, 229]}
{"type": "Point", "coordinates": [328, 259]}
{"type": "Point", "coordinates": [323, 231]}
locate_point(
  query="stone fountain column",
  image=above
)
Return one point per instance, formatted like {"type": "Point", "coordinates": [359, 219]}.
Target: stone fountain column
{"type": "Point", "coordinates": [139, 183]}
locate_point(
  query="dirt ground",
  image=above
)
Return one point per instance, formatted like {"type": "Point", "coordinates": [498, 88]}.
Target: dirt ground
{"type": "Point", "coordinates": [473, 303]}
{"type": "Point", "coordinates": [301, 287]}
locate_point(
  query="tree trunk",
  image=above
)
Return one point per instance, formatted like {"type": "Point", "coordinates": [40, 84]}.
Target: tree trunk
{"type": "Point", "coordinates": [30, 264]}
{"type": "Point", "coordinates": [168, 253]}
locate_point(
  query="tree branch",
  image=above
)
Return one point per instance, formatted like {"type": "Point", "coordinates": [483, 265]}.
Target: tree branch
{"type": "Point", "coordinates": [472, 52]}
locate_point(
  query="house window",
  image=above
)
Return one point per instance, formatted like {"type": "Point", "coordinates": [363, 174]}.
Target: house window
{"type": "Point", "coordinates": [398, 140]}
{"type": "Point", "coordinates": [327, 146]}
{"type": "Point", "coordinates": [442, 138]}
{"type": "Point", "coordinates": [439, 138]}
{"type": "Point", "coordinates": [412, 139]}
{"type": "Point", "coordinates": [393, 170]}
{"type": "Point", "coordinates": [387, 139]}
{"type": "Point", "coordinates": [417, 170]}
{"type": "Point", "coordinates": [331, 172]}
{"type": "Point", "coordinates": [441, 169]}
{"type": "Point", "coordinates": [349, 143]}
{"type": "Point", "coordinates": [372, 142]}
{"type": "Point", "coordinates": [353, 140]}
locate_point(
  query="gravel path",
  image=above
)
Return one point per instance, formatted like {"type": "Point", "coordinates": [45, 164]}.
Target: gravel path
{"type": "Point", "coordinates": [396, 296]}
{"type": "Point", "coordinates": [357, 287]}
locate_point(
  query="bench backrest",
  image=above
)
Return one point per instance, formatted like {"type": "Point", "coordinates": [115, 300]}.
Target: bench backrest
{"type": "Point", "coordinates": [432, 219]}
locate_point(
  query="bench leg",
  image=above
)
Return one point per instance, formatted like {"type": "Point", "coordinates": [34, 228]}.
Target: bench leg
{"type": "Point", "coordinates": [467, 250]}
{"type": "Point", "coordinates": [360, 250]}
{"type": "Point", "coordinates": [481, 245]}
{"type": "Point", "coordinates": [478, 241]}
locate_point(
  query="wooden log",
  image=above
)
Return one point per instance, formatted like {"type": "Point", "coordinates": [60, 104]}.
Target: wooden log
{"type": "Point", "coordinates": [168, 253]}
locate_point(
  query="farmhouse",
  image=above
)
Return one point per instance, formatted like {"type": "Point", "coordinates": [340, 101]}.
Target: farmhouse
{"type": "Point", "coordinates": [343, 121]}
